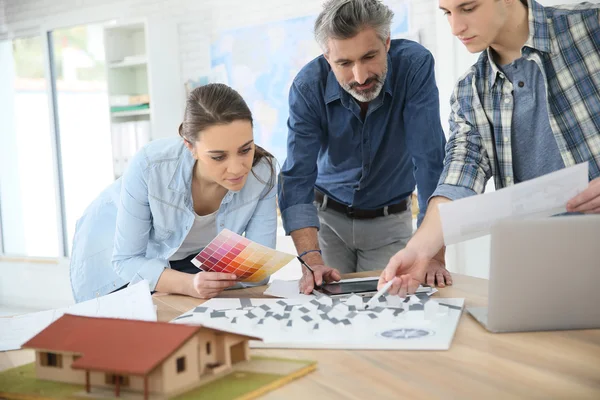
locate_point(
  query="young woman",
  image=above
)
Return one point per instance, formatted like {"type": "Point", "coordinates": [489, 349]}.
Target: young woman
{"type": "Point", "coordinates": [175, 197]}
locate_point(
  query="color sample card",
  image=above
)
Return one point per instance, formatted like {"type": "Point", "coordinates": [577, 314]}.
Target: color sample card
{"type": "Point", "coordinates": [234, 254]}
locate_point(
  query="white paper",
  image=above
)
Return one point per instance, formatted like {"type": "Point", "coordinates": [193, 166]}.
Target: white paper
{"type": "Point", "coordinates": [547, 195]}
{"type": "Point", "coordinates": [286, 289]}
{"type": "Point", "coordinates": [133, 302]}
{"type": "Point", "coordinates": [296, 323]}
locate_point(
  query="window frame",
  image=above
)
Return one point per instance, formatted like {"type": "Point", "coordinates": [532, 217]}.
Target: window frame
{"type": "Point", "coordinates": [51, 360]}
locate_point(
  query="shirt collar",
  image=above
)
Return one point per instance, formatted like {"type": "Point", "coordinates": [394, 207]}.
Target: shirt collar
{"type": "Point", "coordinates": [539, 37]}
{"type": "Point", "coordinates": [181, 181]}
{"type": "Point", "coordinates": [333, 90]}
{"type": "Point", "coordinates": [539, 28]}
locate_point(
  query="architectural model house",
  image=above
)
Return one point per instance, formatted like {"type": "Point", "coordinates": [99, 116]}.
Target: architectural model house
{"type": "Point", "coordinates": [150, 357]}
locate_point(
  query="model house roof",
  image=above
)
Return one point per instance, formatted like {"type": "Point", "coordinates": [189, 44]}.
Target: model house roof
{"type": "Point", "coordinates": [114, 345]}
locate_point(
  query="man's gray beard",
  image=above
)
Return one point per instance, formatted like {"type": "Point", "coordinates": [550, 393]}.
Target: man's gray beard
{"type": "Point", "coordinates": [367, 96]}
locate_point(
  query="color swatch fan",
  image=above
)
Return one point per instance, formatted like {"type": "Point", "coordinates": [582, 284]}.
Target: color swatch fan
{"type": "Point", "coordinates": [234, 254]}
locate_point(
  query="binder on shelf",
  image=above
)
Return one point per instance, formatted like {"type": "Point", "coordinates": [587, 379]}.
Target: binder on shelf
{"type": "Point", "coordinates": [127, 139]}
{"type": "Point", "coordinates": [129, 100]}
{"type": "Point", "coordinates": [142, 133]}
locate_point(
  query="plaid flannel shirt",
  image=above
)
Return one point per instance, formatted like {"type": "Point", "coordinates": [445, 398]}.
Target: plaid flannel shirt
{"type": "Point", "coordinates": [564, 42]}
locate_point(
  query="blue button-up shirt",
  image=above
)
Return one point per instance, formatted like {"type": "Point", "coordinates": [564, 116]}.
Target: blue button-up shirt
{"type": "Point", "coordinates": [132, 229]}
{"type": "Point", "coordinates": [370, 163]}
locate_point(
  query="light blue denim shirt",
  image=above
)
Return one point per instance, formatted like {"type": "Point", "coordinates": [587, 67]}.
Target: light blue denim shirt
{"type": "Point", "coordinates": [129, 232]}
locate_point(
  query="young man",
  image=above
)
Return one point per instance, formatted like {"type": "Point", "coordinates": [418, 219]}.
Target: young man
{"type": "Point", "coordinates": [364, 127]}
{"type": "Point", "coordinates": [529, 106]}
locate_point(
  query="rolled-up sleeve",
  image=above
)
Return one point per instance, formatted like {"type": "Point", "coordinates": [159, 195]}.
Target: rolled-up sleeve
{"type": "Point", "coordinates": [467, 167]}
{"type": "Point", "coordinates": [299, 172]}
{"type": "Point", "coordinates": [134, 222]}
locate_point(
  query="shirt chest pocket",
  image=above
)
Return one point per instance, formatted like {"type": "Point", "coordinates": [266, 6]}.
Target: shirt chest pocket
{"type": "Point", "coordinates": [166, 219]}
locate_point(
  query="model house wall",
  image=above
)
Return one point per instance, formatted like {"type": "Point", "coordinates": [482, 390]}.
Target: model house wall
{"type": "Point", "coordinates": [172, 380]}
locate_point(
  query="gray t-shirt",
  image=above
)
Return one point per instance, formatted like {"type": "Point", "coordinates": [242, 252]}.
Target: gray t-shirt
{"type": "Point", "coordinates": [534, 148]}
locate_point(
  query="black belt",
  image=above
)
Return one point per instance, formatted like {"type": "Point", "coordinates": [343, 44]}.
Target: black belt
{"type": "Point", "coordinates": [356, 213]}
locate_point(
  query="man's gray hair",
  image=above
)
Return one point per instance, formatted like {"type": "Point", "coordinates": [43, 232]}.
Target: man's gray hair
{"type": "Point", "coordinates": [344, 19]}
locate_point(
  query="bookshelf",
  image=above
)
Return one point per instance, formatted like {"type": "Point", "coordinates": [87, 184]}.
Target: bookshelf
{"type": "Point", "coordinates": [145, 89]}
{"type": "Point", "coordinates": [130, 103]}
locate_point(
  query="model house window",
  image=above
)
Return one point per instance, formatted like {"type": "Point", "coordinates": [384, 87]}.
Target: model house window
{"type": "Point", "coordinates": [111, 379]}
{"type": "Point", "coordinates": [180, 365]}
{"type": "Point", "coordinates": [208, 349]}
{"type": "Point", "coordinates": [51, 360]}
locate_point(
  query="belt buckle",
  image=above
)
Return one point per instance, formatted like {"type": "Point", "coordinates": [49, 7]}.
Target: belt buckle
{"type": "Point", "coordinates": [350, 211]}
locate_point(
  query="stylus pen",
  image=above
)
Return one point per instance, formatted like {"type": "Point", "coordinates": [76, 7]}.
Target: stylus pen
{"type": "Point", "coordinates": [309, 268]}
{"type": "Point", "coordinates": [380, 293]}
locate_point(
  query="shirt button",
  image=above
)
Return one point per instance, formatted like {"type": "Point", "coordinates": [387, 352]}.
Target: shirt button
{"type": "Point", "coordinates": [505, 139]}
{"type": "Point", "coordinates": [507, 100]}
{"type": "Point", "coordinates": [521, 83]}
{"type": "Point", "coordinates": [508, 179]}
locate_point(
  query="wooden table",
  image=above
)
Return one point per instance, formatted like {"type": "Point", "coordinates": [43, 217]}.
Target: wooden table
{"type": "Point", "coordinates": [562, 364]}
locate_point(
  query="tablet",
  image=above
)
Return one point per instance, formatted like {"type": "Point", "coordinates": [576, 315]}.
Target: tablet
{"type": "Point", "coordinates": [342, 288]}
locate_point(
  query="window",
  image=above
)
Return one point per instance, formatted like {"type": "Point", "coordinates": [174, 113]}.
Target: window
{"type": "Point", "coordinates": [111, 379]}
{"type": "Point", "coordinates": [55, 137]}
{"type": "Point", "coordinates": [83, 120]}
{"type": "Point", "coordinates": [28, 195]}
{"type": "Point", "coordinates": [208, 349]}
{"type": "Point", "coordinates": [51, 360]}
{"type": "Point", "coordinates": [180, 365]}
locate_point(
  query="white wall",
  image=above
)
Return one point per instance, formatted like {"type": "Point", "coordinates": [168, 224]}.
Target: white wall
{"type": "Point", "coordinates": [2, 18]}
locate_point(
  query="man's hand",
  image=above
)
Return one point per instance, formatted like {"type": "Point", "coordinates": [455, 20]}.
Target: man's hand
{"type": "Point", "coordinates": [587, 201]}
{"type": "Point", "coordinates": [206, 285]}
{"type": "Point", "coordinates": [437, 274]}
{"type": "Point", "coordinates": [411, 269]}
{"type": "Point", "coordinates": [322, 274]}
{"type": "Point", "coordinates": [307, 246]}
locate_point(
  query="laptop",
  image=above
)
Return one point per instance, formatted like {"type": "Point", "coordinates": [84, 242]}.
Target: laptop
{"type": "Point", "coordinates": [544, 275]}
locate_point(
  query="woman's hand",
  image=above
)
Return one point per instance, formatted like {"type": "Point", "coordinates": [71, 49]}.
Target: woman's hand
{"type": "Point", "coordinates": [206, 285]}
{"type": "Point", "coordinates": [203, 285]}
